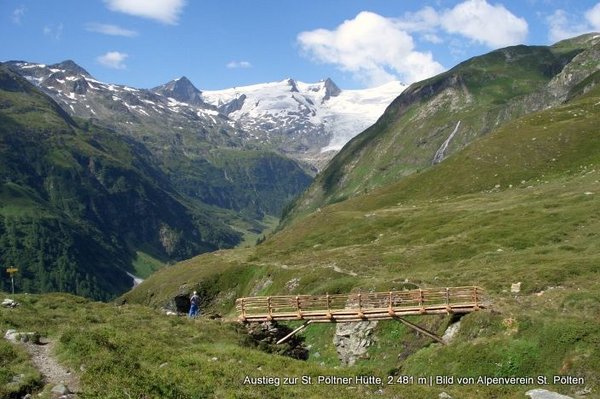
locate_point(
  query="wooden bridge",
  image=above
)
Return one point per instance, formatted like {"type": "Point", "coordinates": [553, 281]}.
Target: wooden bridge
{"type": "Point", "coordinates": [392, 305]}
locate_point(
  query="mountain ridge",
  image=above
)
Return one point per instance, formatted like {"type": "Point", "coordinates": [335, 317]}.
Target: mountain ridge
{"type": "Point", "coordinates": [185, 138]}
{"type": "Point", "coordinates": [78, 201]}
{"type": "Point", "coordinates": [481, 94]}
{"type": "Point", "coordinates": [303, 120]}
{"type": "Point", "coordinates": [298, 132]}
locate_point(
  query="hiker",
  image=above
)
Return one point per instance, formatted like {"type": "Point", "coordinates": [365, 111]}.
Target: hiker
{"type": "Point", "coordinates": [194, 302]}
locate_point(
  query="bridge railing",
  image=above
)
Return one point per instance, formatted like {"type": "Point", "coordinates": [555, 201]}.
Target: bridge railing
{"type": "Point", "coordinates": [304, 306]}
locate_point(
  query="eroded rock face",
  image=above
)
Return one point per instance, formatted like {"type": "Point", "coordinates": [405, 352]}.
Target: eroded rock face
{"type": "Point", "coordinates": [451, 332]}
{"type": "Point", "coordinates": [352, 340]}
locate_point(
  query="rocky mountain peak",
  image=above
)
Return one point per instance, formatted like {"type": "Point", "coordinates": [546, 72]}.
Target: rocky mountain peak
{"type": "Point", "coordinates": [181, 89]}
{"type": "Point", "coordinates": [331, 89]}
{"type": "Point", "coordinates": [184, 82]}
{"type": "Point", "coordinates": [70, 66]}
{"type": "Point", "coordinates": [293, 86]}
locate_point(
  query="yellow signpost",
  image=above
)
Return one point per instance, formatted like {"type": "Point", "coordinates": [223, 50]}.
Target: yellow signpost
{"type": "Point", "coordinates": [12, 271]}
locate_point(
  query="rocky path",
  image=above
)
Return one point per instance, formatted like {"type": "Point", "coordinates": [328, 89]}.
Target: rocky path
{"type": "Point", "coordinates": [65, 384]}
{"type": "Point", "coordinates": [54, 373]}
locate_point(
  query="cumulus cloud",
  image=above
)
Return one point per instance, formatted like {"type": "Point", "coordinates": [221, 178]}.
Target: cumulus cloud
{"type": "Point", "coordinates": [113, 59]}
{"type": "Point", "coordinates": [107, 29]}
{"type": "Point", "coordinates": [17, 14]}
{"type": "Point", "coordinates": [563, 25]}
{"type": "Point", "coordinates": [491, 25]}
{"type": "Point", "coordinates": [238, 64]}
{"type": "Point", "coordinates": [373, 48]}
{"type": "Point", "coordinates": [376, 49]}
{"type": "Point", "coordinates": [593, 17]}
{"type": "Point", "coordinates": [165, 11]}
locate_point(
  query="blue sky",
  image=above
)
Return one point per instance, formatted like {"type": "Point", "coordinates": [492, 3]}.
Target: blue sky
{"type": "Point", "coordinates": [226, 43]}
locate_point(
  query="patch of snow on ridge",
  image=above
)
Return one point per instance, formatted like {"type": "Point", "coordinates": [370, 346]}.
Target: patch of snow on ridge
{"type": "Point", "coordinates": [27, 66]}
{"type": "Point", "coordinates": [207, 111]}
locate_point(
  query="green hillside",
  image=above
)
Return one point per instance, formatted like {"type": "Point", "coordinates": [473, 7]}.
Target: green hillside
{"type": "Point", "coordinates": [517, 205]}
{"type": "Point", "coordinates": [78, 201]}
{"type": "Point", "coordinates": [136, 352]}
{"type": "Point", "coordinates": [83, 201]}
{"type": "Point", "coordinates": [454, 108]}
{"type": "Point", "coordinates": [251, 182]}
{"type": "Point", "coordinates": [202, 154]}
{"type": "Point", "coordinates": [514, 202]}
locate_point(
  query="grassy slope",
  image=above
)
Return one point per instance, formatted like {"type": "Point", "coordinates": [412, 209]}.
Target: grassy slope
{"type": "Point", "coordinates": [482, 93]}
{"type": "Point", "coordinates": [133, 352]}
{"type": "Point", "coordinates": [518, 205]}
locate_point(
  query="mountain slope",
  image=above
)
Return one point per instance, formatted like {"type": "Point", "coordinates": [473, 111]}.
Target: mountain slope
{"type": "Point", "coordinates": [186, 137]}
{"type": "Point", "coordinates": [437, 117]}
{"type": "Point", "coordinates": [523, 174]}
{"type": "Point", "coordinates": [517, 205]}
{"type": "Point", "coordinates": [77, 201]}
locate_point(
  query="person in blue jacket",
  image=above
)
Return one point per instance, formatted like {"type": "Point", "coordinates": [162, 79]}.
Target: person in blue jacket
{"type": "Point", "coordinates": [194, 302]}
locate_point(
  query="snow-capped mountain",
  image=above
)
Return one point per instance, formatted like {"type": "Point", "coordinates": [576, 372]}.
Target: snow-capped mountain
{"type": "Point", "coordinates": [203, 155]}
{"type": "Point", "coordinates": [181, 90]}
{"type": "Point", "coordinates": [304, 118]}
{"type": "Point", "coordinates": [142, 113]}
{"type": "Point", "coordinates": [308, 121]}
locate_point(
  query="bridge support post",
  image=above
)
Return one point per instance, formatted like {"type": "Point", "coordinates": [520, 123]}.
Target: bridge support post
{"type": "Point", "coordinates": [420, 329]}
{"type": "Point", "coordinates": [297, 330]}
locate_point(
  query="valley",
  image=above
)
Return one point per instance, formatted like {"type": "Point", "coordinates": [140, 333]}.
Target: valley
{"type": "Point", "coordinates": [485, 175]}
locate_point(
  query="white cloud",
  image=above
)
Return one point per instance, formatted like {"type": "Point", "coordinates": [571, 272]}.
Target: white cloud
{"type": "Point", "coordinates": [593, 17]}
{"type": "Point", "coordinates": [373, 48]}
{"type": "Point", "coordinates": [376, 49]}
{"type": "Point", "coordinates": [491, 25]}
{"type": "Point", "coordinates": [107, 29]}
{"type": "Point", "coordinates": [54, 32]}
{"type": "Point", "coordinates": [563, 25]}
{"type": "Point", "coordinates": [426, 19]}
{"type": "Point", "coordinates": [17, 14]}
{"type": "Point", "coordinates": [238, 64]}
{"type": "Point", "coordinates": [113, 59]}
{"type": "Point", "coordinates": [165, 11]}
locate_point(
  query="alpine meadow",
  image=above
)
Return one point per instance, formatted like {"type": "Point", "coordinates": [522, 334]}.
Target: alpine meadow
{"type": "Point", "coordinates": [324, 230]}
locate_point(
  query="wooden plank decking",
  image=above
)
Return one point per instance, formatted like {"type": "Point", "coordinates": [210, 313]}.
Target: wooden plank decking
{"type": "Point", "coordinates": [360, 307]}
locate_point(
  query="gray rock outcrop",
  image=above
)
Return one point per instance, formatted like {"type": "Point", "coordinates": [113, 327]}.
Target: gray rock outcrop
{"type": "Point", "coordinates": [352, 340]}
{"type": "Point", "coordinates": [451, 332]}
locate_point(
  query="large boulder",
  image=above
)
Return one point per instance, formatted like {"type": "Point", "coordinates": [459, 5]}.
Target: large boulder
{"type": "Point", "coordinates": [9, 303]}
